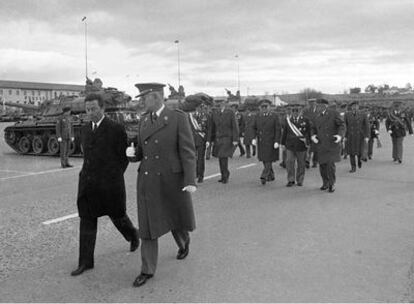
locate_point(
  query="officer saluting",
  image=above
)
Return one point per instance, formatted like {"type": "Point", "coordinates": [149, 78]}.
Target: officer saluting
{"type": "Point", "coordinates": [166, 177]}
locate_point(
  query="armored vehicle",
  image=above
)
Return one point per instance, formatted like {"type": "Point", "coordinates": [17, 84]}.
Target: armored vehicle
{"type": "Point", "coordinates": [37, 136]}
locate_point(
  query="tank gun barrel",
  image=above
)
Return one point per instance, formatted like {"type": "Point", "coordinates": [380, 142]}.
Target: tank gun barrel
{"type": "Point", "coordinates": [22, 105]}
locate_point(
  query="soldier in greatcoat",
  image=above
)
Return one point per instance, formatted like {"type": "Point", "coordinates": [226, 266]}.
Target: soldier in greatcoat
{"type": "Point", "coordinates": [356, 135]}
{"type": "Point", "coordinates": [397, 123]}
{"type": "Point", "coordinates": [248, 135]}
{"type": "Point", "coordinates": [374, 127]}
{"type": "Point", "coordinates": [101, 189]}
{"type": "Point", "coordinates": [267, 129]}
{"type": "Point", "coordinates": [224, 134]}
{"type": "Point", "coordinates": [327, 131]}
{"type": "Point", "coordinates": [166, 178]}
{"type": "Point", "coordinates": [311, 112]}
{"type": "Point", "coordinates": [241, 124]}
{"type": "Point", "coordinates": [65, 135]}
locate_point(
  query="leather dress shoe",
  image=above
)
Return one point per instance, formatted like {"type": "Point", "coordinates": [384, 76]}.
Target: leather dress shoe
{"type": "Point", "coordinates": [200, 179]}
{"type": "Point", "coordinates": [290, 184]}
{"type": "Point", "coordinates": [68, 166]}
{"type": "Point", "coordinates": [183, 252]}
{"type": "Point", "coordinates": [300, 184]}
{"type": "Point", "coordinates": [134, 242]}
{"type": "Point", "coordinates": [263, 181]}
{"type": "Point", "coordinates": [352, 170]}
{"type": "Point", "coordinates": [220, 180]}
{"type": "Point", "coordinates": [82, 268]}
{"type": "Point", "coordinates": [142, 279]}
{"type": "Point", "coordinates": [331, 189]}
{"type": "Point", "coordinates": [324, 187]}
{"type": "Point", "coordinates": [359, 164]}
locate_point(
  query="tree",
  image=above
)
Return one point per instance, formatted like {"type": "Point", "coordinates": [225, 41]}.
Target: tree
{"type": "Point", "coordinates": [371, 89]}
{"type": "Point", "coordinates": [408, 86]}
{"type": "Point", "coordinates": [355, 90]}
{"type": "Point", "coordinates": [308, 93]}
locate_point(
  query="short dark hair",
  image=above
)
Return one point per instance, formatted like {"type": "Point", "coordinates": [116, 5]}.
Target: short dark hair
{"type": "Point", "coordinates": [95, 96]}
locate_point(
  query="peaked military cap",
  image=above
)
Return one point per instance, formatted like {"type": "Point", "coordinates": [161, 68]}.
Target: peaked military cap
{"type": "Point", "coordinates": [146, 88]}
{"type": "Point", "coordinates": [265, 101]}
{"type": "Point", "coordinates": [322, 101]}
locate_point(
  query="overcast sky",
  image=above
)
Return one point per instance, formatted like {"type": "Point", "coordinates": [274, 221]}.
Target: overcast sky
{"type": "Point", "coordinates": [283, 46]}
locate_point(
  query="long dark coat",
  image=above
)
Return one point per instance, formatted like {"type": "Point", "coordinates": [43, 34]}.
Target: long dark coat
{"type": "Point", "coordinates": [249, 133]}
{"type": "Point", "coordinates": [357, 128]}
{"type": "Point", "coordinates": [166, 150]}
{"type": "Point", "coordinates": [289, 138]}
{"type": "Point", "coordinates": [267, 129]}
{"type": "Point", "coordinates": [326, 126]}
{"type": "Point", "coordinates": [101, 189]}
{"type": "Point", "coordinates": [398, 123]}
{"type": "Point", "coordinates": [311, 114]}
{"type": "Point", "coordinates": [223, 131]}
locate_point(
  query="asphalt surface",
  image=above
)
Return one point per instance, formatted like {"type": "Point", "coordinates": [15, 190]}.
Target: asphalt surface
{"type": "Point", "coordinates": [253, 243]}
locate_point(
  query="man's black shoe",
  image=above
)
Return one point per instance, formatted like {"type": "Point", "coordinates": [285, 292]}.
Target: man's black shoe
{"type": "Point", "coordinates": [68, 166]}
{"type": "Point", "coordinates": [134, 242]}
{"type": "Point", "coordinates": [300, 184]}
{"type": "Point", "coordinates": [331, 189]}
{"type": "Point", "coordinates": [80, 270]}
{"type": "Point", "coordinates": [220, 180]}
{"type": "Point", "coordinates": [359, 164]}
{"type": "Point", "coordinates": [399, 161]}
{"type": "Point", "coordinates": [290, 184]}
{"type": "Point", "coordinates": [142, 279]}
{"type": "Point", "coordinates": [200, 179]}
{"type": "Point", "coordinates": [324, 187]}
{"type": "Point", "coordinates": [263, 181]}
{"type": "Point", "coordinates": [353, 169]}
{"type": "Point", "coordinates": [183, 252]}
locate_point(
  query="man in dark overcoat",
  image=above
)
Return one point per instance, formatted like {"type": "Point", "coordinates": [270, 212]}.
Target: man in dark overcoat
{"type": "Point", "coordinates": [166, 178]}
{"type": "Point", "coordinates": [65, 135]}
{"type": "Point", "coordinates": [356, 135]}
{"type": "Point", "coordinates": [248, 135]}
{"type": "Point", "coordinates": [296, 139]}
{"type": "Point", "coordinates": [374, 127]}
{"type": "Point", "coordinates": [397, 123]}
{"type": "Point", "coordinates": [327, 132]}
{"type": "Point", "coordinates": [311, 112]}
{"type": "Point", "coordinates": [224, 134]}
{"type": "Point", "coordinates": [101, 188]}
{"type": "Point", "coordinates": [241, 124]}
{"type": "Point", "coordinates": [267, 129]}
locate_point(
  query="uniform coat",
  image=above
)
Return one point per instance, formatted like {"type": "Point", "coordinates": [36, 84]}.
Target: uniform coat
{"type": "Point", "coordinates": [398, 122]}
{"type": "Point", "coordinates": [311, 114]}
{"type": "Point", "coordinates": [267, 129]}
{"type": "Point", "coordinates": [325, 127]}
{"type": "Point", "coordinates": [357, 128]}
{"type": "Point", "coordinates": [166, 150]}
{"type": "Point", "coordinates": [249, 134]}
{"type": "Point", "coordinates": [64, 128]}
{"type": "Point", "coordinates": [101, 188]}
{"type": "Point", "coordinates": [223, 131]}
{"type": "Point", "coordinates": [290, 140]}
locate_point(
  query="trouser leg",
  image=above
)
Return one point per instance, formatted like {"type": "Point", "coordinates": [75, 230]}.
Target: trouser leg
{"type": "Point", "coordinates": [324, 175]}
{"type": "Point", "coordinates": [315, 157]}
{"type": "Point", "coordinates": [399, 150]}
{"type": "Point", "coordinates": [248, 155]}
{"type": "Point", "coordinates": [149, 256]}
{"type": "Point", "coordinates": [242, 152]}
{"type": "Point", "coordinates": [290, 165]}
{"type": "Point", "coordinates": [301, 166]}
{"type": "Point", "coordinates": [224, 164]}
{"type": "Point", "coordinates": [266, 173]}
{"type": "Point", "coordinates": [394, 148]}
{"type": "Point", "coordinates": [181, 237]}
{"type": "Point", "coordinates": [87, 240]}
{"type": "Point", "coordinates": [208, 151]}
{"type": "Point", "coordinates": [254, 150]}
{"type": "Point", "coordinates": [125, 227]}
{"type": "Point", "coordinates": [331, 173]}
{"type": "Point", "coordinates": [200, 166]}
{"type": "Point", "coordinates": [64, 149]}
{"type": "Point", "coordinates": [370, 147]}
{"type": "Point", "coordinates": [352, 161]}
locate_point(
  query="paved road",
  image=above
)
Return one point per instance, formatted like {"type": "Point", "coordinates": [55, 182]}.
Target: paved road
{"type": "Point", "coordinates": [252, 243]}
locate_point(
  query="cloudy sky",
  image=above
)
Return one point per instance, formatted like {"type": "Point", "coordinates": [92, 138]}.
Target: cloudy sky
{"type": "Point", "coordinates": [282, 45]}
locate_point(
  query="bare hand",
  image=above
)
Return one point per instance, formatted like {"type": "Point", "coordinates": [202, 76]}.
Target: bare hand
{"type": "Point", "coordinates": [314, 139]}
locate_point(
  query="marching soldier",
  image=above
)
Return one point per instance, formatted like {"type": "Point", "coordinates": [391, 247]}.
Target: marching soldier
{"type": "Point", "coordinates": [311, 112]}
{"type": "Point", "coordinates": [327, 132]}
{"type": "Point", "coordinates": [241, 125]}
{"type": "Point", "coordinates": [268, 131]}
{"type": "Point", "coordinates": [356, 135]}
{"type": "Point", "coordinates": [296, 139]}
{"type": "Point", "coordinates": [248, 135]}
{"type": "Point", "coordinates": [396, 123]}
{"type": "Point", "coordinates": [65, 135]}
{"type": "Point", "coordinates": [223, 132]}
{"type": "Point", "coordinates": [374, 127]}
{"type": "Point", "coordinates": [166, 178]}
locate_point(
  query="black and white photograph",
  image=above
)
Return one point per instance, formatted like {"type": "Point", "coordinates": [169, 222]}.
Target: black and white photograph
{"type": "Point", "coordinates": [206, 151]}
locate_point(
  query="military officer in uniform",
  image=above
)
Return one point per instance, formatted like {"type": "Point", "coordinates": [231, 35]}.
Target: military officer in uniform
{"type": "Point", "coordinates": [356, 135]}
{"type": "Point", "coordinates": [296, 139]}
{"type": "Point", "coordinates": [327, 131]}
{"type": "Point", "coordinates": [248, 135]}
{"type": "Point", "coordinates": [166, 178]}
{"type": "Point", "coordinates": [311, 112]}
{"type": "Point", "coordinates": [224, 134]}
{"type": "Point", "coordinates": [374, 127]}
{"type": "Point", "coordinates": [101, 188]}
{"type": "Point", "coordinates": [397, 123]}
{"type": "Point", "coordinates": [65, 135]}
{"type": "Point", "coordinates": [241, 125]}
{"type": "Point", "coordinates": [267, 129]}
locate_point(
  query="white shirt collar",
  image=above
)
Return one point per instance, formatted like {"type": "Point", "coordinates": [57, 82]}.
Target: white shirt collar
{"type": "Point", "coordinates": [160, 110]}
{"type": "Point", "coordinates": [99, 122]}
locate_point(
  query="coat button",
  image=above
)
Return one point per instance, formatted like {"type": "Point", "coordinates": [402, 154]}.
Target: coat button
{"type": "Point", "coordinates": [145, 157]}
{"type": "Point", "coordinates": [156, 141]}
{"type": "Point", "coordinates": [157, 157]}
{"type": "Point", "coordinates": [145, 142]}
{"type": "Point", "coordinates": [146, 172]}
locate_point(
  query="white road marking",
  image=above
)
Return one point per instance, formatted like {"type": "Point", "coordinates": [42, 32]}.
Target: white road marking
{"type": "Point", "coordinates": [64, 218]}
{"type": "Point", "coordinates": [16, 171]}
{"type": "Point", "coordinates": [60, 219]}
{"type": "Point", "coordinates": [38, 173]}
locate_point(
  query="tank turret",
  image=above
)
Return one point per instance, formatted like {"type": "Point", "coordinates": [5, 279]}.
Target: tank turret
{"type": "Point", "coordinates": [38, 135]}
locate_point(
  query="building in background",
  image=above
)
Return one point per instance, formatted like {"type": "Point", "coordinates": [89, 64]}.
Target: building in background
{"type": "Point", "coordinates": [35, 92]}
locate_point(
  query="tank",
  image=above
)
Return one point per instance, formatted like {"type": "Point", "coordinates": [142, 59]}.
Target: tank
{"type": "Point", "coordinates": [37, 136]}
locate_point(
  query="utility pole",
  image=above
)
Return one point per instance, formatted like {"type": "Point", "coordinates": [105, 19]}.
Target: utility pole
{"type": "Point", "coordinates": [86, 46]}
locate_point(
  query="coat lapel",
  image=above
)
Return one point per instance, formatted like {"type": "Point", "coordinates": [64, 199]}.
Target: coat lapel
{"type": "Point", "coordinates": [148, 128]}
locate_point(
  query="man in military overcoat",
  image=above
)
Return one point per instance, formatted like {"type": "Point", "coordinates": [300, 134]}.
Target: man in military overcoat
{"type": "Point", "coordinates": [248, 135]}
{"type": "Point", "coordinates": [267, 129]}
{"type": "Point", "coordinates": [101, 189]}
{"type": "Point", "coordinates": [311, 112]}
{"type": "Point", "coordinates": [374, 127]}
{"type": "Point", "coordinates": [166, 178]}
{"type": "Point", "coordinates": [356, 135]}
{"type": "Point", "coordinates": [65, 135]}
{"type": "Point", "coordinates": [224, 133]}
{"type": "Point", "coordinates": [397, 123]}
{"type": "Point", "coordinates": [327, 131]}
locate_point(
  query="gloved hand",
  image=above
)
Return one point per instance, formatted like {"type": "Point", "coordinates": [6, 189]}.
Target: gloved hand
{"type": "Point", "coordinates": [207, 144]}
{"type": "Point", "coordinates": [366, 139]}
{"type": "Point", "coordinates": [314, 139]}
{"type": "Point", "coordinates": [59, 139]}
{"type": "Point", "coordinates": [275, 145]}
{"type": "Point", "coordinates": [376, 132]}
{"type": "Point", "coordinates": [235, 143]}
{"type": "Point", "coordinates": [190, 189]}
{"type": "Point", "coordinates": [130, 151]}
{"type": "Point", "coordinates": [390, 131]}
{"type": "Point", "coordinates": [254, 142]}
{"type": "Point", "coordinates": [337, 138]}
{"type": "Point", "coordinates": [72, 138]}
